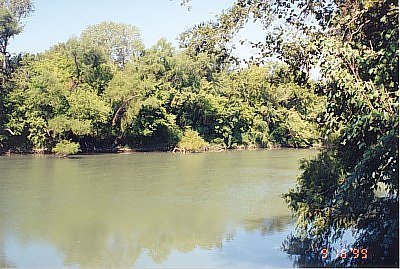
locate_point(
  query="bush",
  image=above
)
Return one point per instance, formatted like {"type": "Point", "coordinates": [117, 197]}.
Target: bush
{"type": "Point", "coordinates": [65, 147]}
{"type": "Point", "coordinates": [192, 141]}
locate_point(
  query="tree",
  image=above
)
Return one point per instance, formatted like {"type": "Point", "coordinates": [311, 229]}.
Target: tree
{"type": "Point", "coordinates": [360, 64]}
{"type": "Point", "coordinates": [356, 45]}
{"type": "Point", "coordinates": [11, 14]}
{"type": "Point", "coordinates": [122, 42]}
{"type": "Point", "coordinates": [90, 63]}
{"type": "Point", "coordinates": [8, 28]}
{"type": "Point", "coordinates": [18, 8]}
{"type": "Point", "coordinates": [49, 103]}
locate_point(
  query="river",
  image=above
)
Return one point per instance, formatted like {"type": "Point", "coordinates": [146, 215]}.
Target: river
{"type": "Point", "coordinates": [147, 210]}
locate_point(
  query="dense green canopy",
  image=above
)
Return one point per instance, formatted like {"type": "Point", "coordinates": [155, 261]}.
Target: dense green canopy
{"type": "Point", "coordinates": [78, 91]}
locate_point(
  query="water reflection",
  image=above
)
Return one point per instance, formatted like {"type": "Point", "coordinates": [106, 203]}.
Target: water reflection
{"type": "Point", "coordinates": [119, 210]}
{"type": "Point", "coordinates": [268, 226]}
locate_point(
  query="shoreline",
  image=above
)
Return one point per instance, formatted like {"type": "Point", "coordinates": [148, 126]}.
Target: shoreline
{"type": "Point", "coordinates": [131, 151]}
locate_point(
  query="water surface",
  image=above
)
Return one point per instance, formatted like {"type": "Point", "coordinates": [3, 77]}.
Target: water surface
{"type": "Point", "coordinates": [147, 209]}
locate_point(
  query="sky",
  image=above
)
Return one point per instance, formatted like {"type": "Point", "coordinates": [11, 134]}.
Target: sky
{"type": "Point", "coordinates": [55, 21]}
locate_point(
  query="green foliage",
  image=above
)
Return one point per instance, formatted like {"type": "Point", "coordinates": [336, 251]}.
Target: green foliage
{"type": "Point", "coordinates": [355, 43]}
{"type": "Point", "coordinates": [9, 27]}
{"type": "Point", "coordinates": [258, 134]}
{"type": "Point", "coordinates": [49, 102]}
{"type": "Point", "coordinates": [65, 147]}
{"type": "Point", "coordinates": [105, 86]}
{"type": "Point", "coordinates": [62, 124]}
{"type": "Point", "coordinates": [286, 111]}
{"type": "Point", "coordinates": [11, 13]}
{"type": "Point", "coordinates": [85, 104]}
{"type": "Point", "coordinates": [192, 142]}
{"type": "Point", "coordinates": [154, 126]}
{"type": "Point", "coordinates": [18, 8]}
{"type": "Point", "coordinates": [122, 42]}
{"type": "Point", "coordinates": [292, 130]}
{"type": "Point", "coordinates": [221, 106]}
{"type": "Point", "coordinates": [212, 38]}
{"type": "Point", "coordinates": [88, 63]}
{"type": "Point", "coordinates": [360, 67]}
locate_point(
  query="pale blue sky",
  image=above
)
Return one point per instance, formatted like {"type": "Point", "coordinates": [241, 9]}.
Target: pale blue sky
{"type": "Point", "coordinates": [55, 21]}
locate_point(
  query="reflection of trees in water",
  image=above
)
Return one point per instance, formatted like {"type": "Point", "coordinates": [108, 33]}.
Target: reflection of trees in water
{"type": "Point", "coordinates": [4, 263]}
{"type": "Point", "coordinates": [130, 208]}
{"type": "Point", "coordinates": [303, 253]}
{"type": "Point", "coordinates": [267, 225]}
{"type": "Point", "coordinates": [99, 251]}
{"type": "Point", "coordinates": [120, 240]}
{"type": "Point", "coordinates": [307, 253]}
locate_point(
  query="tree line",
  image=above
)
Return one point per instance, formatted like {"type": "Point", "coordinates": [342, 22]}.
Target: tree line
{"type": "Point", "coordinates": [105, 90]}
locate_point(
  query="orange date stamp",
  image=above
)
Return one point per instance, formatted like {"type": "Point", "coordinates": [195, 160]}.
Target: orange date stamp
{"type": "Point", "coordinates": [356, 253]}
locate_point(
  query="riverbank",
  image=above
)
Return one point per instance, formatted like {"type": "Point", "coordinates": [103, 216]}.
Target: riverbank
{"type": "Point", "coordinates": [122, 150]}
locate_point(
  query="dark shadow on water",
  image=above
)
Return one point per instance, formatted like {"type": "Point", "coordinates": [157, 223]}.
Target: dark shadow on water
{"type": "Point", "coordinates": [306, 253]}
{"type": "Point", "coordinates": [303, 253]}
{"type": "Point", "coordinates": [268, 226]}
{"type": "Point", "coordinates": [73, 157]}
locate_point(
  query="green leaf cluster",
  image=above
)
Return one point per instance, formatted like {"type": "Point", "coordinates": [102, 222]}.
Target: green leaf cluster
{"type": "Point", "coordinates": [65, 147]}
{"type": "Point", "coordinates": [192, 142]}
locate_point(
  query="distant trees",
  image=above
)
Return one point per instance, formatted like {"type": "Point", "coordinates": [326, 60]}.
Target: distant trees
{"type": "Point", "coordinates": [103, 95]}
{"type": "Point", "coordinates": [57, 96]}
{"type": "Point", "coordinates": [122, 42]}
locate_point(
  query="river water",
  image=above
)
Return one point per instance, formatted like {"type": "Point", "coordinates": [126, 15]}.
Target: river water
{"type": "Point", "coordinates": [147, 210]}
